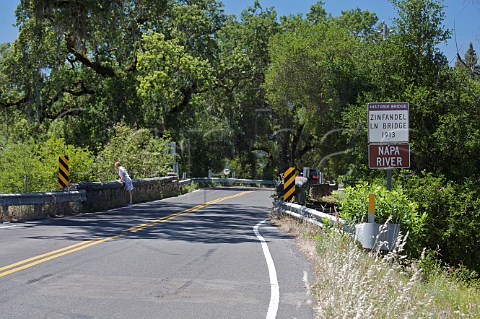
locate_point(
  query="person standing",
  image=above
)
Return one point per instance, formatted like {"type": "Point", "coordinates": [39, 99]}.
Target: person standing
{"type": "Point", "coordinates": [125, 178]}
{"type": "Point", "coordinates": [301, 187]}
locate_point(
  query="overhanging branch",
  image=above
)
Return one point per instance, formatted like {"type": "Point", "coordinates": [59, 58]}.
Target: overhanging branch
{"type": "Point", "coordinates": [105, 71]}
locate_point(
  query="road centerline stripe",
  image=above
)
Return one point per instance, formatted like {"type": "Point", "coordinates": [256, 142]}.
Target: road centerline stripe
{"type": "Point", "coordinates": [35, 260]}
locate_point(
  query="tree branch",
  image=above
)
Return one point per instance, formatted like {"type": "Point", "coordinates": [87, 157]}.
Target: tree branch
{"type": "Point", "coordinates": [306, 148]}
{"type": "Point", "coordinates": [296, 139]}
{"type": "Point", "coordinates": [12, 103]}
{"type": "Point", "coordinates": [474, 70]}
{"type": "Point", "coordinates": [84, 90]}
{"type": "Point", "coordinates": [97, 67]}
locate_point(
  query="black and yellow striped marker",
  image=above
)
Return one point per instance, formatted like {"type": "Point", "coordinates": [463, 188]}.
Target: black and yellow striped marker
{"type": "Point", "coordinates": [289, 184]}
{"type": "Point", "coordinates": [63, 171]}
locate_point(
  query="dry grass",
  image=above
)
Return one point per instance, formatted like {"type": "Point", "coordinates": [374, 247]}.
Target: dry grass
{"type": "Point", "coordinates": [351, 283]}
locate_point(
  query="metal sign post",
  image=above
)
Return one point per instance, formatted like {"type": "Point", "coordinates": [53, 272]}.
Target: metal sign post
{"type": "Point", "coordinates": [389, 179]}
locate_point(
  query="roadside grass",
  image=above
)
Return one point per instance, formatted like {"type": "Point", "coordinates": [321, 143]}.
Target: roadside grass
{"type": "Point", "coordinates": [353, 283]}
{"type": "Point", "coordinates": [189, 188]}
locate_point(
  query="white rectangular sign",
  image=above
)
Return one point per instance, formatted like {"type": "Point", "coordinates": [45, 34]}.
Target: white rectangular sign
{"type": "Point", "coordinates": [388, 122]}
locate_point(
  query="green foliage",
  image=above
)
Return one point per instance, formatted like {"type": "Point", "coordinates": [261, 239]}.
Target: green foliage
{"type": "Point", "coordinates": [360, 23]}
{"type": "Point", "coordinates": [315, 74]}
{"type": "Point", "coordinates": [80, 160]}
{"type": "Point", "coordinates": [430, 264]}
{"type": "Point", "coordinates": [393, 206]}
{"type": "Point", "coordinates": [164, 69]}
{"type": "Point", "coordinates": [390, 206]}
{"type": "Point", "coordinates": [407, 66]}
{"type": "Point", "coordinates": [241, 170]}
{"type": "Point", "coordinates": [21, 169]}
{"type": "Point", "coordinates": [317, 13]}
{"type": "Point", "coordinates": [189, 188]}
{"type": "Point", "coordinates": [420, 29]}
{"type": "Point", "coordinates": [470, 62]}
{"type": "Point", "coordinates": [205, 147]}
{"type": "Point", "coordinates": [138, 150]}
{"type": "Point", "coordinates": [32, 165]}
{"type": "Point", "coordinates": [453, 217]}
{"type": "Point", "coordinates": [239, 101]}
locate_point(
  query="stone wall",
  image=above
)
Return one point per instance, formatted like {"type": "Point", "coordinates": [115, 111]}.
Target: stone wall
{"type": "Point", "coordinates": [107, 195]}
{"type": "Point", "coordinates": [100, 196]}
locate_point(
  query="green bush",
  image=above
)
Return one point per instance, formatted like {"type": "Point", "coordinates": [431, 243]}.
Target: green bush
{"type": "Point", "coordinates": [189, 188]}
{"type": "Point", "coordinates": [32, 166]}
{"type": "Point", "coordinates": [390, 206]}
{"type": "Point", "coordinates": [440, 215]}
{"type": "Point", "coordinates": [241, 170]}
{"type": "Point", "coordinates": [21, 168]}
{"type": "Point", "coordinates": [453, 217]}
{"type": "Point", "coordinates": [138, 150]}
{"type": "Point", "coordinates": [80, 160]}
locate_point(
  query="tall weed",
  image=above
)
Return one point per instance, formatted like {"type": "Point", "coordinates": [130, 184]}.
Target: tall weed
{"type": "Point", "coordinates": [354, 283]}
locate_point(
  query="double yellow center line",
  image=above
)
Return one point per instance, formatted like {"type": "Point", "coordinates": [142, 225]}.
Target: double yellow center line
{"type": "Point", "coordinates": [30, 262]}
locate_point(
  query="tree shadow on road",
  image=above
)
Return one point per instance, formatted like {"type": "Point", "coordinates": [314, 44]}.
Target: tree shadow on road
{"type": "Point", "coordinates": [215, 223]}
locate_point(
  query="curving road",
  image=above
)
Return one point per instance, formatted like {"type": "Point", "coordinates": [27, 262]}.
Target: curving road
{"type": "Point", "coordinates": [207, 254]}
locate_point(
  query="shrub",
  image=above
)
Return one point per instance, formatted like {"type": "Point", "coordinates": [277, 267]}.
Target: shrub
{"type": "Point", "coordinates": [32, 166]}
{"type": "Point", "coordinates": [80, 161]}
{"type": "Point", "coordinates": [138, 150]}
{"type": "Point", "coordinates": [390, 206]}
{"type": "Point", "coordinates": [453, 217]}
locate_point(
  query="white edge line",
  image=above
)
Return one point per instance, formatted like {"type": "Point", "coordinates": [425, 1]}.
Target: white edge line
{"type": "Point", "coordinates": [274, 288]}
{"type": "Point", "coordinates": [7, 226]}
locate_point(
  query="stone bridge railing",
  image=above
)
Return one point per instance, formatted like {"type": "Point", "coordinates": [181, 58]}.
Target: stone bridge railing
{"type": "Point", "coordinates": [89, 197]}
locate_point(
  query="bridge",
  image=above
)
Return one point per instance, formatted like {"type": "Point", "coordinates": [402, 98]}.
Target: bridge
{"type": "Point", "coordinates": [210, 253]}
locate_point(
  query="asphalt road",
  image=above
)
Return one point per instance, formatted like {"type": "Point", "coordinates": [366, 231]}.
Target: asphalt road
{"type": "Point", "coordinates": [201, 255]}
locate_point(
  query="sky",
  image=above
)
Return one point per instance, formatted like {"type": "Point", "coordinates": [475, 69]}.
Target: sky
{"type": "Point", "coordinates": [461, 15]}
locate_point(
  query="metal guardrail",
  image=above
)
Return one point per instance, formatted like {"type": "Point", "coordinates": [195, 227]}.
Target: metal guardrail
{"type": "Point", "coordinates": [369, 235]}
{"type": "Point", "coordinates": [226, 181]}
{"type": "Point", "coordinates": [184, 182]}
{"type": "Point", "coordinates": [42, 198]}
{"type": "Point", "coordinates": [310, 215]}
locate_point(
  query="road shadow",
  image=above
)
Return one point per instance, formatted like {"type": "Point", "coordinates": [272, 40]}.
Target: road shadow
{"type": "Point", "coordinates": [216, 223]}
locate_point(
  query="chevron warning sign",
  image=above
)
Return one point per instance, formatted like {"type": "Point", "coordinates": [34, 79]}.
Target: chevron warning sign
{"type": "Point", "coordinates": [289, 184]}
{"type": "Point", "coordinates": [63, 171]}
